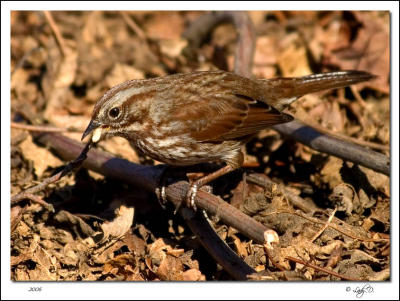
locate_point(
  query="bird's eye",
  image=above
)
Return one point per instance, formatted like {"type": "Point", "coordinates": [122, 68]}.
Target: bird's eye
{"type": "Point", "coordinates": [114, 112]}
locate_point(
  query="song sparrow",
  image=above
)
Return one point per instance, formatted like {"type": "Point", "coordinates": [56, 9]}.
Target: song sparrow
{"type": "Point", "coordinates": [185, 119]}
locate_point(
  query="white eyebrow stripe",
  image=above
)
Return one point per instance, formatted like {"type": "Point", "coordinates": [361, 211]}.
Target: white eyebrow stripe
{"type": "Point", "coordinates": [124, 94]}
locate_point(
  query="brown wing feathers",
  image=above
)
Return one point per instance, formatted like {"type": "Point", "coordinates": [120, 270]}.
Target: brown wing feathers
{"type": "Point", "coordinates": [241, 116]}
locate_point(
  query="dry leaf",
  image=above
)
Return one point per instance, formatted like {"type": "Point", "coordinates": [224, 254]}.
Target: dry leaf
{"type": "Point", "coordinates": [171, 268]}
{"type": "Point", "coordinates": [331, 172]}
{"type": "Point", "coordinates": [120, 224]}
{"type": "Point", "coordinates": [163, 25]}
{"type": "Point", "coordinates": [369, 51]}
{"type": "Point", "coordinates": [172, 48]}
{"type": "Point", "coordinates": [41, 157]}
{"type": "Point", "coordinates": [293, 59]}
{"type": "Point", "coordinates": [193, 275]}
{"type": "Point", "coordinates": [122, 73]}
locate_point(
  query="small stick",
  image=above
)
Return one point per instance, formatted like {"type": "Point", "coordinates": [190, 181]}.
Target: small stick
{"type": "Point", "coordinates": [358, 97]}
{"type": "Point", "coordinates": [369, 144]}
{"type": "Point", "coordinates": [333, 226]}
{"type": "Point", "coordinates": [215, 246]}
{"type": "Point", "coordinates": [296, 201]}
{"type": "Point", "coordinates": [56, 32]}
{"type": "Point", "coordinates": [336, 147]}
{"type": "Point", "coordinates": [40, 128]}
{"type": "Point", "coordinates": [34, 199]}
{"type": "Point", "coordinates": [132, 25]}
{"type": "Point", "coordinates": [177, 192]}
{"type": "Point", "coordinates": [325, 226]}
{"type": "Point", "coordinates": [325, 270]}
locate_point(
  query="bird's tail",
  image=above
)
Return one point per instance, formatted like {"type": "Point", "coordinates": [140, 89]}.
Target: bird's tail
{"type": "Point", "coordinates": [281, 92]}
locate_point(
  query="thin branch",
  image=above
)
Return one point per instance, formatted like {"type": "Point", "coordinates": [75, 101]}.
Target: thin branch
{"type": "Point", "coordinates": [132, 25]}
{"type": "Point", "coordinates": [40, 128]}
{"type": "Point", "coordinates": [215, 246]}
{"type": "Point", "coordinates": [325, 226]}
{"type": "Point", "coordinates": [348, 138]}
{"type": "Point", "coordinates": [336, 147]}
{"type": "Point", "coordinates": [34, 199]}
{"type": "Point", "coordinates": [197, 32]}
{"type": "Point", "coordinates": [296, 201]}
{"type": "Point", "coordinates": [56, 32]}
{"type": "Point", "coordinates": [334, 225]}
{"type": "Point", "coordinates": [177, 192]}
{"type": "Point", "coordinates": [358, 97]}
{"type": "Point", "coordinates": [325, 270]}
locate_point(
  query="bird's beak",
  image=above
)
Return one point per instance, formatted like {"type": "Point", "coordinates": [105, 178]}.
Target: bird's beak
{"type": "Point", "coordinates": [91, 127]}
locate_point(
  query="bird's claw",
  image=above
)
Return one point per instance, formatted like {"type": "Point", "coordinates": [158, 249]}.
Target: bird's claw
{"type": "Point", "coordinates": [191, 197]}
{"type": "Point", "coordinates": [161, 196]}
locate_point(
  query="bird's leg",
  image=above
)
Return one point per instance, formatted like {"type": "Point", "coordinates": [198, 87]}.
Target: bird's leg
{"type": "Point", "coordinates": [160, 190]}
{"type": "Point", "coordinates": [196, 185]}
{"type": "Point", "coordinates": [233, 162]}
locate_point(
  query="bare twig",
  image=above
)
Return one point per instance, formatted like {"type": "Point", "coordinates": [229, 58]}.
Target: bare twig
{"type": "Point", "coordinates": [40, 128]}
{"type": "Point", "coordinates": [132, 25]}
{"type": "Point", "coordinates": [263, 181]}
{"type": "Point", "coordinates": [34, 199]}
{"type": "Point", "coordinates": [348, 138]}
{"type": "Point", "coordinates": [228, 214]}
{"type": "Point", "coordinates": [333, 225]}
{"type": "Point", "coordinates": [335, 147]}
{"type": "Point", "coordinates": [56, 32]}
{"type": "Point", "coordinates": [215, 246]}
{"type": "Point", "coordinates": [325, 226]}
{"type": "Point", "coordinates": [325, 270]}
{"type": "Point", "coordinates": [202, 26]}
{"type": "Point", "coordinates": [358, 97]}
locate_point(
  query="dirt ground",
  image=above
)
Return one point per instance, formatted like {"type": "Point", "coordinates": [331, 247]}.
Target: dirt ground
{"type": "Point", "coordinates": [104, 229]}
